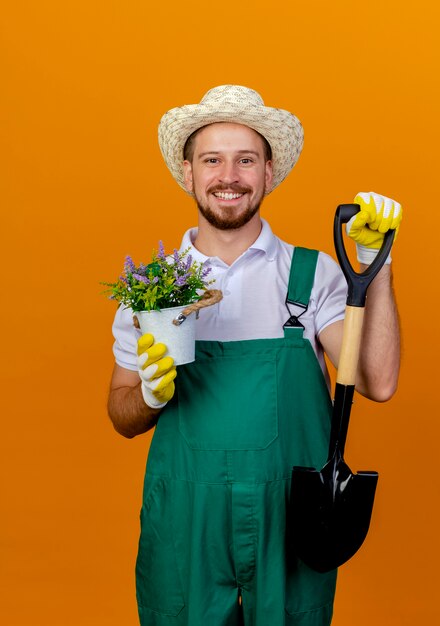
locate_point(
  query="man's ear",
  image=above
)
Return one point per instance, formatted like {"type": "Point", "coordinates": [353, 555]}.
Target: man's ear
{"type": "Point", "coordinates": [188, 176]}
{"type": "Point", "coordinates": [268, 175]}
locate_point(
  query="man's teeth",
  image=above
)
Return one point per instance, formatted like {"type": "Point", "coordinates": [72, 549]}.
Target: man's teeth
{"type": "Point", "coordinates": [227, 196]}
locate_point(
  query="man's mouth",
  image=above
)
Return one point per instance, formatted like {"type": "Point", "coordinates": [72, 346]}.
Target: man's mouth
{"type": "Point", "coordinates": [227, 195]}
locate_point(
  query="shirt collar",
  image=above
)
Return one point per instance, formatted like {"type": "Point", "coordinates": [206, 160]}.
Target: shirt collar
{"type": "Point", "coordinates": [266, 241]}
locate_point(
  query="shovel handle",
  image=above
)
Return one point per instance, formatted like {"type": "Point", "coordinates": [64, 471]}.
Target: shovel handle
{"type": "Point", "coordinates": [351, 341]}
{"type": "Point", "coordinates": [358, 282]}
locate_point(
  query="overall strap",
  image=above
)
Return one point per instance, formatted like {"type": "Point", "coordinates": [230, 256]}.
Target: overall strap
{"type": "Point", "coordinates": [302, 276]}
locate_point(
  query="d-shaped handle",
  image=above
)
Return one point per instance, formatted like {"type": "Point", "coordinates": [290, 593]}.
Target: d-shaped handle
{"type": "Point", "coordinates": [358, 282]}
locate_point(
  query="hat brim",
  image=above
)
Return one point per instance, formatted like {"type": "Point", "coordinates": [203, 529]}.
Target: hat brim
{"type": "Point", "coordinates": [281, 129]}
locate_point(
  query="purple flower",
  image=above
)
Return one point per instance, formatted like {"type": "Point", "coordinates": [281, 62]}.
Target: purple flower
{"type": "Point", "coordinates": [155, 279]}
{"type": "Point", "coordinates": [176, 256]}
{"type": "Point", "coordinates": [188, 262]}
{"type": "Point", "coordinates": [181, 280]}
{"type": "Point", "coordinates": [129, 266]}
{"type": "Point", "coordinates": [161, 254]}
{"type": "Point", "coordinates": [206, 271]}
{"type": "Point", "coordinates": [142, 279]}
{"type": "Point", "coordinates": [123, 279]}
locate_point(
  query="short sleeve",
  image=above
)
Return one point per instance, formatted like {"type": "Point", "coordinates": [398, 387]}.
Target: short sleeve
{"type": "Point", "coordinates": [126, 337]}
{"type": "Point", "coordinates": [329, 293]}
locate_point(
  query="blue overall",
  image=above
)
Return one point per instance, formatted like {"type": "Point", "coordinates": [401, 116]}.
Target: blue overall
{"type": "Point", "coordinates": [218, 481]}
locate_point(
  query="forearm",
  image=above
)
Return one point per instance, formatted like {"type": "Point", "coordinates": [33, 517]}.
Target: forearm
{"type": "Point", "coordinates": [379, 360]}
{"type": "Point", "coordinates": [129, 413]}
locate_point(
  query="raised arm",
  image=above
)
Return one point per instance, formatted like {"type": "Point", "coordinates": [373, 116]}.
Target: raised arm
{"type": "Point", "coordinates": [379, 360]}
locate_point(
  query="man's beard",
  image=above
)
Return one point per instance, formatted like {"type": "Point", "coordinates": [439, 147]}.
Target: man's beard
{"type": "Point", "coordinates": [225, 221]}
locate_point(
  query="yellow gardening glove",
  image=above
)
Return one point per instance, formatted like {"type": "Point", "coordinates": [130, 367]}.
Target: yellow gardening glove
{"type": "Point", "coordinates": [156, 370]}
{"type": "Point", "coordinates": [377, 215]}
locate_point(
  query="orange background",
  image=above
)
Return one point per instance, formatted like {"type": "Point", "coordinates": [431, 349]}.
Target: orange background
{"type": "Point", "coordinates": [83, 184]}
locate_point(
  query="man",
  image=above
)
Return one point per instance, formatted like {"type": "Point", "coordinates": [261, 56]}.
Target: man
{"type": "Point", "coordinates": [231, 425]}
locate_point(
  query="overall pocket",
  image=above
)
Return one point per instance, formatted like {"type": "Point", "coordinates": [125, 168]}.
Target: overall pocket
{"type": "Point", "coordinates": [228, 403]}
{"type": "Point", "coordinates": [158, 585]}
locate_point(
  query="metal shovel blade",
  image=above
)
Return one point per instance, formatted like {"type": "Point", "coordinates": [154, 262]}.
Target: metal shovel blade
{"type": "Point", "coordinates": [333, 513]}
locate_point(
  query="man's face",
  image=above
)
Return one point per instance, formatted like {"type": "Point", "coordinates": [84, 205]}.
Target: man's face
{"type": "Point", "coordinates": [228, 174]}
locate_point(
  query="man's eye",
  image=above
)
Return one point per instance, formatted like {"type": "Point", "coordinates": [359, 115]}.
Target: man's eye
{"type": "Point", "coordinates": [246, 160]}
{"type": "Point", "coordinates": [211, 160]}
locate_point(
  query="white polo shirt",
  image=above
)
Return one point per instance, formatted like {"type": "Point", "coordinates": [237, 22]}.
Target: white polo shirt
{"type": "Point", "coordinates": [254, 293]}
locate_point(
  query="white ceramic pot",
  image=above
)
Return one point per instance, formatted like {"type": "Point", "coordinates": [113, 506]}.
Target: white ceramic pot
{"type": "Point", "coordinates": [180, 340]}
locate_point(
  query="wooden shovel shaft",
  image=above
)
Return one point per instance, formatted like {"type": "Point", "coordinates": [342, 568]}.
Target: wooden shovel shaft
{"type": "Point", "coordinates": [351, 340]}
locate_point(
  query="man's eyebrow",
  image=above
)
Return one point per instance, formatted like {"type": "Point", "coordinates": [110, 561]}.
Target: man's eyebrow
{"type": "Point", "coordinates": [202, 154]}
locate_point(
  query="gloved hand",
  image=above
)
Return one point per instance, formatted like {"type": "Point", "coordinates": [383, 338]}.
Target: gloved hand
{"type": "Point", "coordinates": [378, 214]}
{"type": "Point", "coordinates": [157, 372]}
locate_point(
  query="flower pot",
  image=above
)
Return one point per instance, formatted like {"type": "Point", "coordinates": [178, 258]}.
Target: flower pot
{"type": "Point", "coordinates": [180, 340]}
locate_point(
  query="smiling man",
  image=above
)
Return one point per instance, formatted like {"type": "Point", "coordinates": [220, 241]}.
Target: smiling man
{"type": "Point", "coordinates": [230, 426]}
{"type": "Point", "coordinates": [228, 183]}
{"type": "Point", "coordinates": [228, 169]}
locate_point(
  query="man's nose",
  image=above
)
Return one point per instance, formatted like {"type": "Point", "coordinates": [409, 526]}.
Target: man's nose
{"type": "Point", "coordinates": [229, 173]}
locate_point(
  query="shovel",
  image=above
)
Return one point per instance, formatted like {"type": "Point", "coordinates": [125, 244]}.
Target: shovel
{"type": "Point", "coordinates": [330, 510]}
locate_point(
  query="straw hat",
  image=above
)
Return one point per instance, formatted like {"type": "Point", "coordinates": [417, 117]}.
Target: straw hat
{"type": "Point", "coordinates": [241, 105]}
